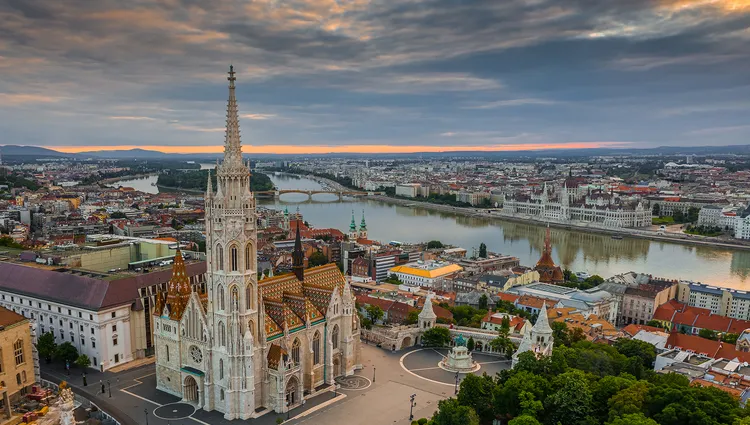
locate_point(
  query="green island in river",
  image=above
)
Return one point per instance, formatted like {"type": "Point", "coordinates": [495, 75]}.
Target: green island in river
{"type": "Point", "coordinates": [197, 179]}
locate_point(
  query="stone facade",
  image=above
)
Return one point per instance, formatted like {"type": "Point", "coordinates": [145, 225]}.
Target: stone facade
{"type": "Point", "coordinates": [572, 204]}
{"type": "Point", "coordinates": [240, 346]}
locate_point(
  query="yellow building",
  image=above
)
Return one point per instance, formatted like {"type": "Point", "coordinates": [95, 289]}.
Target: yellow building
{"type": "Point", "coordinates": [16, 357]}
{"type": "Point", "coordinates": [425, 273]}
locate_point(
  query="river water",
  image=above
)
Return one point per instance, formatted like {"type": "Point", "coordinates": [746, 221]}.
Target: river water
{"type": "Point", "coordinates": [578, 251]}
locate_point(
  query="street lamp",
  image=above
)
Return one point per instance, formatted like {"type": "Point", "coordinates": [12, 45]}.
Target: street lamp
{"type": "Point", "coordinates": [145, 411]}
{"type": "Point", "coordinates": [456, 388]}
{"type": "Point", "coordinates": [109, 386]}
{"type": "Point", "coordinates": [412, 403]}
{"type": "Point", "coordinates": [373, 374]}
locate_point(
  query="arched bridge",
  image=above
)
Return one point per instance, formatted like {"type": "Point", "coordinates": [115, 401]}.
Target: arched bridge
{"type": "Point", "coordinates": [340, 194]}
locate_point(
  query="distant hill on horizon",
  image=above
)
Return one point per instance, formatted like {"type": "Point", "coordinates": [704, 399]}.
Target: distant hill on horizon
{"type": "Point", "coordinates": [37, 152]}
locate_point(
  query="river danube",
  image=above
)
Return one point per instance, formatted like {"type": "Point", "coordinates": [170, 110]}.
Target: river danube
{"type": "Point", "coordinates": [578, 251]}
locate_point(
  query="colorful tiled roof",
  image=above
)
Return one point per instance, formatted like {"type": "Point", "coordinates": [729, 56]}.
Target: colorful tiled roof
{"type": "Point", "coordinates": [290, 303]}
{"type": "Point", "coordinates": [275, 356]}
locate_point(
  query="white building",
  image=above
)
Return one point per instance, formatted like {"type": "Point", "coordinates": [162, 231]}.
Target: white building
{"type": "Point", "coordinates": [539, 340]}
{"type": "Point", "coordinates": [573, 204]}
{"type": "Point", "coordinates": [425, 273]}
{"type": "Point", "coordinates": [410, 190]}
{"type": "Point", "coordinates": [102, 317]}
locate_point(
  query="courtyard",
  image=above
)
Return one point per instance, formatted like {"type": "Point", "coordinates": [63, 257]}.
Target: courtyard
{"type": "Point", "coordinates": [378, 394]}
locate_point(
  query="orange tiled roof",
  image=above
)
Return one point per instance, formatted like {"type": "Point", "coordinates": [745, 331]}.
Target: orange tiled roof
{"type": "Point", "coordinates": [708, 347]}
{"type": "Point", "coordinates": [633, 329]}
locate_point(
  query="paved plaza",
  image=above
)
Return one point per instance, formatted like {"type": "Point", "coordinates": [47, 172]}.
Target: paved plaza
{"type": "Point", "coordinates": [378, 394]}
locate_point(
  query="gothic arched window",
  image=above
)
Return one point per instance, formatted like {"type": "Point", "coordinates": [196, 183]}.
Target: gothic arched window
{"type": "Point", "coordinates": [233, 255]}
{"type": "Point", "coordinates": [335, 337]}
{"type": "Point", "coordinates": [222, 335]}
{"type": "Point", "coordinates": [235, 299]}
{"type": "Point", "coordinates": [220, 297]}
{"type": "Point", "coordinates": [316, 348]}
{"type": "Point", "coordinates": [248, 256]}
{"type": "Point", "coordinates": [167, 352]}
{"type": "Point", "coordinates": [295, 351]}
{"type": "Point", "coordinates": [221, 368]}
{"type": "Point", "coordinates": [219, 257]}
{"type": "Point", "coordinates": [249, 297]}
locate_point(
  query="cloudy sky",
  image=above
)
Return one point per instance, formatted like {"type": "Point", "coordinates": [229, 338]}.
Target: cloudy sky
{"type": "Point", "coordinates": [375, 75]}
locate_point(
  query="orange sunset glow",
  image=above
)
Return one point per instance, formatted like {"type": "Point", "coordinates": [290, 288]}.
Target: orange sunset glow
{"type": "Point", "coordinates": [301, 150]}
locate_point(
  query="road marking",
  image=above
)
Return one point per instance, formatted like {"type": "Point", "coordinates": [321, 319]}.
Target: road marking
{"type": "Point", "coordinates": [426, 368]}
{"type": "Point", "coordinates": [199, 421]}
{"type": "Point", "coordinates": [401, 361]}
{"type": "Point", "coordinates": [318, 407]}
{"type": "Point", "coordinates": [142, 398]}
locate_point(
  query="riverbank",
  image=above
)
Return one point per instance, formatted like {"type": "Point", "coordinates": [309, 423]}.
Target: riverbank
{"type": "Point", "coordinates": [179, 189]}
{"type": "Point", "coordinates": [582, 226]}
{"type": "Point", "coordinates": [130, 177]}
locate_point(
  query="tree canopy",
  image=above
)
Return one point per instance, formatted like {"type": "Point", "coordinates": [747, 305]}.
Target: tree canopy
{"type": "Point", "coordinates": [590, 384]}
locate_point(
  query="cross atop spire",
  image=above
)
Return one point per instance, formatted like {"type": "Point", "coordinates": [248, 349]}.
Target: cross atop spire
{"type": "Point", "coordinates": [232, 144]}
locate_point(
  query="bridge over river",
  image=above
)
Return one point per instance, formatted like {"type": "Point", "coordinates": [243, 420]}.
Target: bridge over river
{"type": "Point", "coordinates": [339, 193]}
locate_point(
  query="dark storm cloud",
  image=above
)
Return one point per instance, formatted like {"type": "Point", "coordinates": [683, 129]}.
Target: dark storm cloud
{"type": "Point", "coordinates": [484, 71]}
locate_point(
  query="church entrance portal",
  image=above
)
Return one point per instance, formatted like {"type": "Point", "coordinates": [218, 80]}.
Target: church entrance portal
{"type": "Point", "coordinates": [190, 392]}
{"type": "Point", "coordinates": [291, 392]}
{"type": "Point", "coordinates": [336, 367]}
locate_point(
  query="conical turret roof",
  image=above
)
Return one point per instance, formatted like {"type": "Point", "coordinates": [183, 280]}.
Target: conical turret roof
{"type": "Point", "coordinates": [542, 322]}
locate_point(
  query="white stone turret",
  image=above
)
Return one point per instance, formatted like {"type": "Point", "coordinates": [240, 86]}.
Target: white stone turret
{"type": "Point", "coordinates": [427, 316]}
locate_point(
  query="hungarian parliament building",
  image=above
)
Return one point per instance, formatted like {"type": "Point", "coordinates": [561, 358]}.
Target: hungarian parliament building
{"type": "Point", "coordinates": [570, 202]}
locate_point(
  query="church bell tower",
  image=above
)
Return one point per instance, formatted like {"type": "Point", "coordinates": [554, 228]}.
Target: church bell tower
{"type": "Point", "coordinates": [232, 310]}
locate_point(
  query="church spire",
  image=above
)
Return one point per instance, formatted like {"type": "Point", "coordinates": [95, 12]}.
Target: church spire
{"type": "Point", "coordinates": [548, 242]}
{"type": "Point", "coordinates": [353, 224]}
{"type": "Point", "coordinates": [298, 257]}
{"type": "Point", "coordinates": [209, 186]}
{"type": "Point", "coordinates": [363, 225]}
{"type": "Point", "coordinates": [232, 145]}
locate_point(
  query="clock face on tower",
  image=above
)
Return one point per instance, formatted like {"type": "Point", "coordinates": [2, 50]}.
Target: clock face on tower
{"type": "Point", "coordinates": [196, 354]}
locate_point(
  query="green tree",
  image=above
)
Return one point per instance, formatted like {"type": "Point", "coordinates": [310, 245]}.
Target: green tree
{"type": "Point", "coordinates": [654, 323]}
{"type": "Point", "coordinates": [436, 337]}
{"type": "Point", "coordinates": [504, 326]}
{"type": "Point", "coordinates": [451, 412]}
{"type": "Point", "coordinates": [83, 361]}
{"type": "Point", "coordinates": [434, 245]}
{"type": "Point", "coordinates": [503, 344]}
{"type": "Point", "coordinates": [317, 258]}
{"type": "Point", "coordinates": [412, 318]}
{"type": "Point", "coordinates": [476, 392]}
{"type": "Point", "coordinates": [482, 250]}
{"type": "Point", "coordinates": [641, 350]}
{"type": "Point", "coordinates": [508, 397]}
{"type": "Point", "coordinates": [117, 214]}
{"type": "Point", "coordinates": [374, 312]}
{"type": "Point", "coordinates": [46, 346]}
{"type": "Point", "coordinates": [524, 420]}
{"type": "Point", "coordinates": [483, 300]}
{"type": "Point", "coordinates": [66, 352]}
{"type": "Point", "coordinates": [628, 401]}
{"type": "Point", "coordinates": [572, 402]}
{"type": "Point", "coordinates": [656, 210]}
{"type": "Point", "coordinates": [633, 419]}
{"type": "Point", "coordinates": [470, 344]}
{"type": "Point", "coordinates": [707, 333]}
{"type": "Point", "coordinates": [730, 338]}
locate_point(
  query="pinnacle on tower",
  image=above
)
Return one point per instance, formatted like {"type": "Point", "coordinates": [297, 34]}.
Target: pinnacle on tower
{"type": "Point", "coordinates": [298, 257]}
{"type": "Point", "coordinates": [232, 144]}
{"type": "Point", "coordinates": [363, 225]}
{"type": "Point", "coordinates": [209, 186]}
{"type": "Point", "coordinates": [353, 224]}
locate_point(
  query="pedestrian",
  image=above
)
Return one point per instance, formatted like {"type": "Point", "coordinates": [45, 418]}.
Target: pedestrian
{"type": "Point", "coordinates": [102, 384]}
